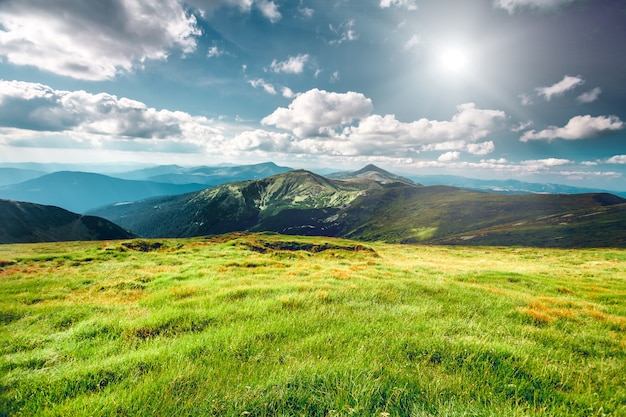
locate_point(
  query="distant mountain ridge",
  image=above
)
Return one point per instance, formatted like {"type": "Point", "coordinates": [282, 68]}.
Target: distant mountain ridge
{"type": "Point", "coordinates": [81, 191]}
{"type": "Point", "coordinates": [372, 172]}
{"type": "Point", "coordinates": [508, 186]}
{"type": "Point", "coordinates": [207, 175]}
{"type": "Point", "coordinates": [16, 175]}
{"type": "Point", "coordinates": [301, 202]}
{"type": "Point", "coordinates": [22, 222]}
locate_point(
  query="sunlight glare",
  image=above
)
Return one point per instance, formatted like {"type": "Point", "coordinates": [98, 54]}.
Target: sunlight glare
{"type": "Point", "coordinates": [454, 60]}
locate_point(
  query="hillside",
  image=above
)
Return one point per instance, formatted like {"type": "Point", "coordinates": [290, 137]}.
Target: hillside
{"type": "Point", "coordinates": [81, 191]}
{"type": "Point", "coordinates": [272, 325]}
{"type": "Point", "coordinates": [27, 222]}
{"type": "Point", "coordinates": [237, 206]}
{"type": "Point", "coordinates": [300, 202]}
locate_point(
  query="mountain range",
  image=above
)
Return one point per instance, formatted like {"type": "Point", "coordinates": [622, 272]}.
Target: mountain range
{"type": "Point", "coordinates": [27, 222]}
{"type": "Point", "coordinates": [81, 191]}
{"type": "Point", "coordinates": [373, 204]}
{"type": "Point", "coordinates": [207, 175]}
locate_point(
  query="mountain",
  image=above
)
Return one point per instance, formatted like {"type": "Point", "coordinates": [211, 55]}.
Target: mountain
{"type": "Point", "coordinates": [247, 205]}
{"type": "Point", "coordinates": [375, 173]}
{"type": "Point", "coordinates": [16, 175]}
{"type": "Point", "coordinates": [27, 222]}
{"type": "Point", "coordinates": [81, 191]}
{"type": "Point", "coordinates": [507, 186]}
{"type": "Point", "coordinates": [216, 175]}
{"type": "Point", "coordinates": [300, 202]}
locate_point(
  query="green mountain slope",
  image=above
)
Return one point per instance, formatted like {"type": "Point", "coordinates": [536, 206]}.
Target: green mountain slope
{"type": "Point", "coordinates": [236, 206]}
{"type": "Point", "coordinates": [27, 222]}
{"type": "Point", "coordinates": [300, 202]}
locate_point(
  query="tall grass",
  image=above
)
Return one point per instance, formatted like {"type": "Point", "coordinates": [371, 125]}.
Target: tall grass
{"type": "Point", "coordinates": [269, 325]}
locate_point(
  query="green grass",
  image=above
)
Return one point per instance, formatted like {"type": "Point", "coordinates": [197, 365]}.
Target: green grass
{"type": "Point", "coordinates": [270, 325]}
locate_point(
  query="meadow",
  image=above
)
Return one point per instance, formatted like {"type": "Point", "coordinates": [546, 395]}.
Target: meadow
{"type": "Point", "coordinates": [273, 325]}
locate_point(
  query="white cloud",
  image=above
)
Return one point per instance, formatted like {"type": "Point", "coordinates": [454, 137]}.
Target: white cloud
{"type": "Point", "coordinates": [100, 119]}
{"type": "Point", "coordinates": [306, 12]}
{"type": "Point", "coordinates": [288, 92]}
{"type": "Point", "coordinates": [567, 83]}
{"type": "Point", "coordinates": [293, 65]}
{"type": "Point", "coordinates": [269, 88]}
{"type": "Point", "coordinates": [547, 162]}
{"type": "Point", "coordinates": [269, 9]}
{"type": "Point", "coordinates": [412, 43]}
{"type": "Point", "coordinates": [512, 5]}
{"type": "Point", "coordinates": [617, 159]}
{"type": "Point", "coordinates": [469, 125]}
{"type": "Point", "coordinates": [484, 148]}
{"type": "Point", "coordinates": [345, 31]}
{"type": "Point", "coordinates": [408, 4]}
{"type": "Point", "coordinates": [589, 96]}
{"type": "Point", "coordinates": [334, 77]}
{"type": "Point", "coordinates": [93, 41]}
{"type": "Point", "coordinates": [314, 112]}
{"type": "Point", "coordinates": [262, 140]}
{"type": "Point", "coordinates": [578, 127]}
{"type": "Point", "coordinates": [521, 126]}
{"type": "Point", "coordinates": [526, 99]}
{"type": "Point", "coordinates": [215, 51]}
{"type": "Point", "coordinates": [449, 156]}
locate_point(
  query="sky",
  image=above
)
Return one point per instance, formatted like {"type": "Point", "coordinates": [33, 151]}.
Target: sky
{"type": "Point", "coordinates": [533, 90]}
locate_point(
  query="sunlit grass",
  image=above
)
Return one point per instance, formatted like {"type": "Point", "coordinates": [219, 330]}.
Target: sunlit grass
{"type": "Point", "coordinates": [267, 325]}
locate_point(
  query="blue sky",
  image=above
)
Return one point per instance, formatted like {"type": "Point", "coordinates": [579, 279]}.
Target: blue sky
{"type": "Point", "coordinates": [527, 89]}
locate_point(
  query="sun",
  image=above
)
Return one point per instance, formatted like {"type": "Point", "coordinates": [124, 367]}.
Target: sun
{"type": "Point", "coordinates": [454, 60]}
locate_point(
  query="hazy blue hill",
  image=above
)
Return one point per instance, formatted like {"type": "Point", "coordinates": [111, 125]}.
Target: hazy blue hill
{"type": "Point", "coordinates": [16, 175]}
{"type": "Point", "coordinates": [300, 202]}
{"type": "Point", "coordinates": [208, 175]}
{"type": "Point", "coordinates": [22, 222]}
{"type": "Point", "coordinates": [81, 191]}
{"type": "Point", "coordinates": [507, 186]}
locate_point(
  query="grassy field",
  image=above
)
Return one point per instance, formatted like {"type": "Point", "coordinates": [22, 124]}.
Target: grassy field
{"type": "Point", "coordinates": [269, 325]}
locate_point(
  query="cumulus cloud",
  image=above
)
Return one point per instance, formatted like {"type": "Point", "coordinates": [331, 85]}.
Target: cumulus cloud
{"type": "Point", "coordinates": [408, 4]}
{"type": "Point", "coordinates": [567, 83]}
{"type": "Point", "coordinates": [93, 40]}
{"type": "Point", "coordinates": [449, 156]}
{"type": "Point", "coordinates": [39, 108]}
{"type": "Point", "coordinates": [293, 65]}
{"type": "Point", "coordinates": [484, 148]}
{"type": "Point", "coordinates": [314, 112]}
{"type": "Point", "coordinates": [589, 96]}
{"type": "Point", "coordinates": [269, 9]}
{"type": "Point", "coordinates": [578, 127]}
{"type": "Point", "coordinates": [617, 159]}
{"type": "Point", "coordinates": [288, 92]}
{"type": "Point", "coordinates": [513, 5]}
{"type": "Point", "coordinates": [261, 83]}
